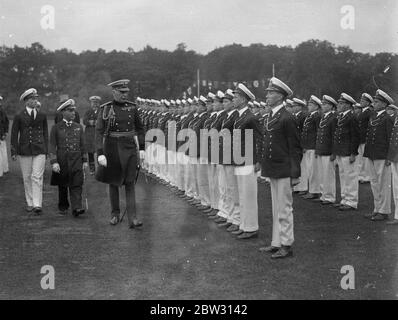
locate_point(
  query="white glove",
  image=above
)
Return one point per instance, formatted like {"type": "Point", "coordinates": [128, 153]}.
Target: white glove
{"type": "Point", "coordinates": [56, 168]}
{"type": "Point", "coordinates": [102, 160]}
{"type": "Point", "coordinates": [142, 154]}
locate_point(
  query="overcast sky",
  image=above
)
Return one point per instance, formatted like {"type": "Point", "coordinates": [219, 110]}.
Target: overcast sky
{"type": "Point", "coordinates": [202, 24]}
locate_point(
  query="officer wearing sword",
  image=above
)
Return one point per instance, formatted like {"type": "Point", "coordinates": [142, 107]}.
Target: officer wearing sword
{"type": "Point", "coordinates": [118, 132]}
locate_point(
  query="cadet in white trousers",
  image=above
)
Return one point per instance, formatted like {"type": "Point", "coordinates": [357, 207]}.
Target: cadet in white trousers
{"type": "Point", "coordinates": [246, 175]}
{"type": "Point", "coordinates": [29, 141]}
{"type": "Point", "coordinates": [281, 142]}
{"type": "Point", "coordinates": [376, 152]}
{"type": "Point", "coordinates": [345, 150]}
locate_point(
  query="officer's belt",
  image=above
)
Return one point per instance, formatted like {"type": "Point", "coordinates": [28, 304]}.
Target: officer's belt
{"type": "Point", "coordinates": [116, 134]}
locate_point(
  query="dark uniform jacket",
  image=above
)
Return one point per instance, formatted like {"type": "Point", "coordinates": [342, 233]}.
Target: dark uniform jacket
{"type": "Point", "coordinates": [363, 123]}
{"type": "Point", "coordinates": [120, 152]}
{"type": "Point", "coordinates": [197, 125]}
{"type": "Point", "coordinates": [29, 138]}
{"type": "Point", "coordinates": [214, 144]}
{"type": "Point", "coordinates": [310, 129]}
{"type": "Point", "coordinates": [324, 137]}
{"type": "Point", "coordinates": [378, 136]}
{"type": "Point", "coordinates": [4, 123]}
{"type": "Point", "coordinates": [346, 135]}
{"type": "Point", "coordinates": [282, 151]}
{"type": "Point", "coordinates": [67, 148]}
{"type": "Point", "coordinates": [184, 122]}
{"type": "Point", "coordinates": [393, 145]}
{"type": "Point", "coordinates": [226, 130]}
{"type": "Point", "coordinates": [300, 118]}
{"type": "Point", "coordinates": [89, 131]}
{"type": "Point", "coordinates": [247, 121]}
{"type": "Point", "coordinates": [59, 117]}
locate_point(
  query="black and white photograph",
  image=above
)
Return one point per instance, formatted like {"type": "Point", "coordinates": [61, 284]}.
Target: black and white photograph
{"type": "Point", "coordinates": [211, 152]}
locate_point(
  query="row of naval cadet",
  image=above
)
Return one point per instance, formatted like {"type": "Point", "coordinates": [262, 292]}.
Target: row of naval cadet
{"type": "Point", "coordinates": [297, 147]}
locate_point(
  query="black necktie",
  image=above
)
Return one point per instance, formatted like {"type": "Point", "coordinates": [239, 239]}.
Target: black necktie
{"type": "Point", "coordinates": [32, 115]}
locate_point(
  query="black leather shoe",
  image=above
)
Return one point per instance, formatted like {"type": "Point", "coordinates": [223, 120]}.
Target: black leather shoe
{"type": "Point", "coordinates": [28, 209]}
{"type": "Point", "coordinates": [220, 220]}
{"type": "Point", "coordinates": [337, 205]}
{"type": "Point", "coordinates": [233, 228]}
{"type": "Point", "coordinates": [370, 215]}
{"type": "Point", "coordinates": [283, 252]}
{"type": "Point", "coordinates": [225, 224]}
{"type": "Point", "coordinates": [379, 217]}
{"type": "Point", "coordinates": [302, 193]}
{"type": "Point", "coordinates": [114, 221]}
{"type": "Point", "coordinates": [346, 208]}
{"type": "Point", "coordinates": [269, 249]}
{"type": "Point", "coordinates": [63, 212]}
{"type": "Point", "coordinates": [311, 196]}
{"type": "Point", "coordinates": [248, 235]}
{"type": "Point", "coordinates": [237, 232]}
{"type": "Point", "coordinates": [326, 203]}
{"type": "Point", "coordinates": [77, 212]}
{"type": "Point", "coordinates": [37, 211]}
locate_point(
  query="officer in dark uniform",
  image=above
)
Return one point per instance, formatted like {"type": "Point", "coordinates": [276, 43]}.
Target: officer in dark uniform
{"type": "Point", "coordinates": [119, 135]}
{"type": "Point", "coordinates": [89, 120]}
{"type": "Point", "coordinates": [68, 159]}
{"type": "Point", "coordinates": [59, 117]}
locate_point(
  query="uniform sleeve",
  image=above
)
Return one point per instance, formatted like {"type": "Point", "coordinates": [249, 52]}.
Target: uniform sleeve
{"type": "Point", "coordinates": [139, 129]}
{"type": "Point", "coordinates": [82, 145]}
{"type": "Point", "coordinates": [355, 136]}
{"type": "Point", "coordinates": [45, 133]}
{"type": "Point", "coordinates": [99, 133]}
{"type": "Point", "coordinates": [53, 145]}
{"type": "Point", "coordinates": [14, 135]}
{"type": "Point", "coordinates": [293, 142]}
{"type": "Point", "coordinates": [258, 140]}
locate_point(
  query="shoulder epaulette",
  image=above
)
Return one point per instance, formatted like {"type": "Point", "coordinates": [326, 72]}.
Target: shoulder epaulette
{"type": "Point", "coordinates": [105, 104]}
{"type": "Point", "coordinates": [130, 102]}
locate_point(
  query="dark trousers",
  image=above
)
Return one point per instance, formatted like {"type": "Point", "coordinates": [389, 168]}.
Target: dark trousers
{"type": "Point", "coordinates": [75, 195]}
{"type": "Point", "coordinates": [91, 161]}
{"type": "Point", "coordinates": [130, 201]}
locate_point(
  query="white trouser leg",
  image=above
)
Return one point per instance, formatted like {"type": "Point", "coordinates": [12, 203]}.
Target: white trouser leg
{"type": "Point", "coordinates": [282, 211]}
{"type": "Point", "coordinates": [363, 165]}
{"type": "Point", "coordinates": [394, 169]}
{"type": "Point", "coordinates": [380, 183]}
{"type": "Point", "coordinates": [230, 201]}
{"type": "Point", "coordinates": [247, 189]}
{"type": "Point", "coordinates": [4, 156]}
{"type": "Point", "coordinates": [348, 178]}
{"type": "Point", "coordinates": [313, 172]}
{"type": "Point", "coordinates": [26, 168]}
{"type": "Point", "coordinates": [328, 178]}
{"type": "Point", "coordinates": [203, 184]}
{"type": "Point", "coordinates": [303, 185]}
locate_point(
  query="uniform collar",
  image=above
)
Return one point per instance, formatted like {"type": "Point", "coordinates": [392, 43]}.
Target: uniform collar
{"type": "Point", "coordinates": [380, 112]}
{"type": "Point", "coordinates": [68, 123]}
{"type": "Point", "coordinates": [275, 110]}
{"type": "Point", "coordinates": [241, 111]}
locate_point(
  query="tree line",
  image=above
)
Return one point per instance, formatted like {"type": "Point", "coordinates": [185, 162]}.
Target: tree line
{"type": "Point", "coordinates": [312, 67]}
